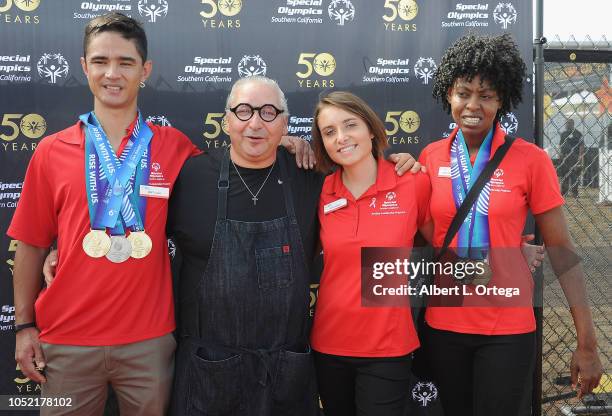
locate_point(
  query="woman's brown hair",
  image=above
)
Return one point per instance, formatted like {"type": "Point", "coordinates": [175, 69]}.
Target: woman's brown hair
{"type": "Point", "coordinates": [355, 105]}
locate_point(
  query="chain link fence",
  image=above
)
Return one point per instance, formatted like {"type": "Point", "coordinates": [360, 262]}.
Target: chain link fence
{"type": "Point", "coordinates": [578, 138]}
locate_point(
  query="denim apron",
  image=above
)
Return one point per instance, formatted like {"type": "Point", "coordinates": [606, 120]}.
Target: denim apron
{"type": "Point", "coordinates": [244, 347]}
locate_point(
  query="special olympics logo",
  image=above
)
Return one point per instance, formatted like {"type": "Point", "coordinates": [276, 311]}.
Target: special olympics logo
{"type": "Point", "coordinates": [159, 120]}
{"type": "Point", "coordinates": [155, 166]}
{"type": "Point", "coordinates": [424, 393]}
{"type": "Point", "coordinates": [509, 123]}
{"type": "Point", "coordinates": [171, 248]}
{"type": "Point", "coordinates": [230, 7]}
{"type": "Point", "coordinates": [410, 121]}
{"type": "Point", "coordinates": [390, 196]}
{"type": "Point", "coordinates": [324, 64]}
{"type": "Point", "coordinates": [407, 9]}
{"type": "Point", "coordinates": [341, 11]}
{"type": "Point", "coordinates": [52, 66]}
{"type": "Point", "coordinates": [33, 126]}
{"type": "Point", "coordinates": [498, 173]}
{"type": "Point", "coordinates": [152, 9]}
{"type": "Point", "coordinates": [251, 65]}
{"type": "Point", "coordinates": [424, 69]}
{"type": "Point", "coordinates": [504, 14]}
{"type": "Point", "coordinates": [27, 5]}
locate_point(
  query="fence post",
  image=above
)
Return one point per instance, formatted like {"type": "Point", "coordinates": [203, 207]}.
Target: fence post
{"type": "Point", "coordinates": [539, 41]}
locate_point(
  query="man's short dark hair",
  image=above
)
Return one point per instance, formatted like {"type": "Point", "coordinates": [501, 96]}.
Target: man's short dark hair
{"type": "Point", "coordinates": [125, 26]}
{"type": "Point", "coordinates": [495, 59]}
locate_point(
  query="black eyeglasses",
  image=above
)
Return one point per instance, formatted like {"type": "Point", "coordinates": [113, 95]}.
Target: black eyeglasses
{"type": "Point", "coordinates": [267, 112]}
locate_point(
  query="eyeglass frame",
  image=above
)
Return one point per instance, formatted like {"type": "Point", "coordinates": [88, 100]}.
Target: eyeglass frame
{"type": "Point", "coordinates": [258, 109]}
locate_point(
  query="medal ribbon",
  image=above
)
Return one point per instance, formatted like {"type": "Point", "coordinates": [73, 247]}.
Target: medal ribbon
{"type": "Point", "coordinates": [111, 180]}
{"type": "Point", "coordinates": [473, 235]}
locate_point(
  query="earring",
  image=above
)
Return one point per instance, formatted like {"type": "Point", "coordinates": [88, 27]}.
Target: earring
{"type": "Point", "coordinates": [142, 84]}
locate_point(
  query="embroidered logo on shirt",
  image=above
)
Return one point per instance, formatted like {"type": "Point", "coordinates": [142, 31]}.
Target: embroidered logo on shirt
{"type": "Point", "coordinates": [390, 205]}
{"type": "Point", "coordinates": [156, 177]}
{"type": "Point", "coordinates": [497, 181]}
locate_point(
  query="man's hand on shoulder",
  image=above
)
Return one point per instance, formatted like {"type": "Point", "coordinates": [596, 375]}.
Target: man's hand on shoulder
{"type": "Point", "coordinates": [304, 156]}
{"type": "Point", "coordinates": [404, 162]}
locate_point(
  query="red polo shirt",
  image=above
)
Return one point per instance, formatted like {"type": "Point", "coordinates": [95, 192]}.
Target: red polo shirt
{"type": "Point", "coordinates": [94, 301]}
{"type": "Point", "coordinates": [388, 214]}
{"type": "Point", "coordinates": [525, 179]}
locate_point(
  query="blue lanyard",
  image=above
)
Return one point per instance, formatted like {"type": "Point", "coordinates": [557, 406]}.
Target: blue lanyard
{"type": "Point", "coordinates": [473, 236]}
{"type": "Point", "coordinates": [110, 180]}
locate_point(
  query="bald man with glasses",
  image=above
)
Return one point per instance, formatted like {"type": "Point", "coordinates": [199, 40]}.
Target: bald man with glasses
{"type": "Point", "coordinates": [245, 222]}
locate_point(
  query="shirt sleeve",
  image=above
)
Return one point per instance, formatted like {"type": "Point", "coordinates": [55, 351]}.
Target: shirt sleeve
{"type": "Point", "coordinates": [35, 219]}
{"type": "Point", "coordinates": [423, 157]}
{"type": "Point", "coordinates": [544, 193]}
{"type": "Point", "coordinates": [423, 195]}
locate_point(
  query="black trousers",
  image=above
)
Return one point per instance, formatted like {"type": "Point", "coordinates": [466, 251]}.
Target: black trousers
{"type": "Point", "coordinates": [481, 375]}
{"type": "Point", "coordinates": [351, 386]}
{"type": "Point", "coordinates": [569, 177]}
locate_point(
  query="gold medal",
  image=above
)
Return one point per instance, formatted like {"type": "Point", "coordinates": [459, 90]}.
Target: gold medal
{"type": "Point", "coordinates": [96, 243]}
{"type": "Point", "coordinates": [141, 244]}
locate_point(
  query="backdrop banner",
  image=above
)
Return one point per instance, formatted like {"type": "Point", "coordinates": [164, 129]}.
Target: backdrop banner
{"type": "Point", "coordinates": [385, 51]}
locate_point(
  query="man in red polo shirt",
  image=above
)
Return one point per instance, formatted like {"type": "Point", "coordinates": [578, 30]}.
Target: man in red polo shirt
{"type": "Point", "coordinates": [109, 316]}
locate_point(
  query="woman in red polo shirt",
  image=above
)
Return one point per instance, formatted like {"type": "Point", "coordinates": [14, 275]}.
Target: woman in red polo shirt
{"type": "Point", "coordinates": [482, 357]}
{"type": "Point", "coordinates": [362, 354]}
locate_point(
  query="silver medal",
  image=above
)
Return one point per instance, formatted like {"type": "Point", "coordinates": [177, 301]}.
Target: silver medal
{"type": "Point", "coordinates": [120, 249]}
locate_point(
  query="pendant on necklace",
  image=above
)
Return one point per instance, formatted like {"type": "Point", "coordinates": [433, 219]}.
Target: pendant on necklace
{"type": "Point", "coordinates": [254, 200]}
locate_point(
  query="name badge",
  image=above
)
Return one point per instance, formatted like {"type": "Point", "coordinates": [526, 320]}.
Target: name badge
{"type": "Point", "coordinates": [155, 191]}
{"type": "Point", "coordinates": [334, 206]}
{"type": "Point", "coordinates": [444, 172]}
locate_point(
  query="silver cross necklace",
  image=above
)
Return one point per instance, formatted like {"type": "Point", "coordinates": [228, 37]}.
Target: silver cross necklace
{"type": "Point", "coordinates": [254, 195]}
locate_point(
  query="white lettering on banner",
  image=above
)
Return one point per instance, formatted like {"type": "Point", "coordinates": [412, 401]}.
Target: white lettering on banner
{"type": "Point", "coordinates": [294, 3]}
{"type": "Point", "coordinates": [16, 185]}
{"type": "Point", "coordinates": [389, 67]}
{"type": "Point", "coordinates": [208, 78]}
{"type": "Point", "coordinates": [198, 60]}
{"type": "Point", "coordinates": [468, 15]}
{"type": "Point", "coordinates": [15, 68]}
{"type": "Point", "coordinates": [105, 7]}
{"type": "Point", "coordinates": [300, 11]}
{"type": "Point", "coordinates": [208, 67]}
{"type": "Point", "coordinates": [15, 63]}
{"type": "Point", "coordinates": [460, 16]}
{"type": "Point", "coordinates": [14, 58]}
{"type": "Point", "coordinates": [11, 198]}
{"type": "Point", "coordinates": [85, 16]}
{"type": "Point", "coordinates": [387, 62]}
{"type": "Point", "coordinates": [298, 129]}
{"type": "Point", "coordinates": [294, 119]}
{"type": "Point", "coordinates": [191, 69]}
{"type": "Point", "coordinates": [300, 126]}
{"type": "Point", "coordinates": [7, 317]}
{"type": "Point", "coordinates": [15, 78]}
{"type": "Point", "coordinates": [463, 7]}
{"type": "Point", "coordinates": [303, 12]}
